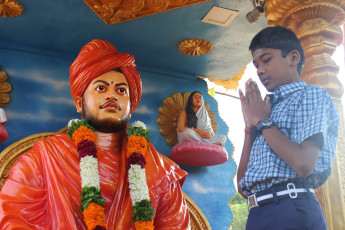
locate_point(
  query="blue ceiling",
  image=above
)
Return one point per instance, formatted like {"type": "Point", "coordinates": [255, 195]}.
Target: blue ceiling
{"type": "Point", "coordinates": [62, 27]}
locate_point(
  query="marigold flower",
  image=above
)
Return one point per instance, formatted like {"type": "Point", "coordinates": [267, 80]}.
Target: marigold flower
{"type": "Point", "coordinates": [83, 133]}
{"type": "Point", "coordinates": [93, 216]}
{"type": "Point", "coordinates": [143, 225]}
{"type": "Point", "coordinates": [136, 144]}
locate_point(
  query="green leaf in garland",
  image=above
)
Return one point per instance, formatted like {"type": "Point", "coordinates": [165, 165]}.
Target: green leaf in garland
{"type": "Point", "coordinates": [91, 195]}
{"type": "Point", "coordinates": [138, 131]}
{"type": "Point", "coordinates": [143, 211]}
{"type": "Point", "coordinates": [75, 124]}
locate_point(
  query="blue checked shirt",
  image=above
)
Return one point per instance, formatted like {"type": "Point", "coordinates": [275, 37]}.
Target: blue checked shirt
{"type": "Point", "coordinates": [298, 111]}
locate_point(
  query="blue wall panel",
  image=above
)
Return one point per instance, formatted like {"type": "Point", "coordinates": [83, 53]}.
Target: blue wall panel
{"type": "Point", "coordinates": [41, 102]}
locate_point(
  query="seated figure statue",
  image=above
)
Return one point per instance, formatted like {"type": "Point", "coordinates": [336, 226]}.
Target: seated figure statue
{"type": "Point", "coordinates": [194, 123]}
{"type": "Point", "coordinates": [44, 187]}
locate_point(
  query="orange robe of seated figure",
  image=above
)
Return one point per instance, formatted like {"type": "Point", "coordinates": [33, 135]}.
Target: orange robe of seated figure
{"type": "Point", "coordinates": [42, 191]}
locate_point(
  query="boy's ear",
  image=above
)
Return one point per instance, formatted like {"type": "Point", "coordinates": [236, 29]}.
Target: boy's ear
{"type": "Point", "coordinates": [78, 101]}
{"type": "Point", "coordinates": [295, 57]}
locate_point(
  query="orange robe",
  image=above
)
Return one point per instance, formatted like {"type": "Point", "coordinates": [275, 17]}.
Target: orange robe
{"type": "Point", "coordinates": [42, 191]}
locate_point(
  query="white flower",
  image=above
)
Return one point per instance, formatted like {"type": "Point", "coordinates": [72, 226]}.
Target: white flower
{"type": "Point", "coordinates": [89, 172]}
{"type": "Point", "coordinates": [70, 122]}
{"type": "Point", "coordinates": [137, 184]}
{"type": "Point", "coordinates": [139, 124]}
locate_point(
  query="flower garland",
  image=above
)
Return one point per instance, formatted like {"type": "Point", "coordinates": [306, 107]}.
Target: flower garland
{"type": "Point", "coordinates": [138, 137]}
{"type": "Point", "coordinates": [92, 201]}
{"type": "Point", "coordinates": [91, 198]}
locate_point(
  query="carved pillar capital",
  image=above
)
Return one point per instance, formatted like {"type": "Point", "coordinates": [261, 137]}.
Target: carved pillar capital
{"type": "Point", "coordinates": [317, 25]}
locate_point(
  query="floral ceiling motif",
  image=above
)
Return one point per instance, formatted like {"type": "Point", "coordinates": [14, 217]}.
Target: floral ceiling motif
{"type": "Point", "coordinates": [194, 47]}
{"type": "Point", "coordinates": [116, 11]}
{"type": "Point", "coordinates": [10, 8]}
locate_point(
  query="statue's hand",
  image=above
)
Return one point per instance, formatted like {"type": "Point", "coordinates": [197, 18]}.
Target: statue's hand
{"type": "Point", "coordinates": [204, 134]}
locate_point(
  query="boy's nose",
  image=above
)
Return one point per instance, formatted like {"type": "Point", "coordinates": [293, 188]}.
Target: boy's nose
{"type": "Point", "coordinates": [261, 71]}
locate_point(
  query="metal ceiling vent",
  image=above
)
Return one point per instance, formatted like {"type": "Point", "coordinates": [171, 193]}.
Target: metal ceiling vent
{"type": "Point", "coordinates": [220, 16]}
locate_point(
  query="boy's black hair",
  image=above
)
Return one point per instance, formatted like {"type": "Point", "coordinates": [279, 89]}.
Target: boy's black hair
{"type": "Point", "coordinates": [281, 38]}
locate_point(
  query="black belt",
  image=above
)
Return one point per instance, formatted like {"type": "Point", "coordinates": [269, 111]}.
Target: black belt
{"type": "Point", "coordinates": [285, 190]}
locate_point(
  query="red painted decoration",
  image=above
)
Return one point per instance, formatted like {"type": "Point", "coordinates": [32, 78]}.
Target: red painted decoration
{"type": "Point", "coordinates": [3, 133]}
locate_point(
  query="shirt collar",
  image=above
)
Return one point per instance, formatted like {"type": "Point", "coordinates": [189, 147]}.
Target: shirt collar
{"type": "Point", "coordinates": [284, 91]}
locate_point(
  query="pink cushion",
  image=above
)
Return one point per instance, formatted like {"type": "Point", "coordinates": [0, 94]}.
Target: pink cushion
{"type": "Point", "coordinates": [198, 154]}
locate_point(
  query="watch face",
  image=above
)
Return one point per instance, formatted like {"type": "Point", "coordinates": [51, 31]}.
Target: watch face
{"type": "Point", "coordinates": [264, 123]}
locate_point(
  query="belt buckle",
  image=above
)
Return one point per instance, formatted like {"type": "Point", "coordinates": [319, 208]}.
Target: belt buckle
{"type": "Point", "coordinates": [292, 190]}
{"type": "Point", "coordinates": [252, 202]}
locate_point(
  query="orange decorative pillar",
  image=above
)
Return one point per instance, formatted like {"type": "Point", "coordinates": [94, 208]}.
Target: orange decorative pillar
{"type": "Point", "coordinates": [317, 24]}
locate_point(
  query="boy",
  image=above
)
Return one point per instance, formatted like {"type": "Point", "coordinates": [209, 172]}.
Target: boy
{"type": "Point", "coordinates": [290, 137]}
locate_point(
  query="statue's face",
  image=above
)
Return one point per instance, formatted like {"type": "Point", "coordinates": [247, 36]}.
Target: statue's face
{"type": "Point", "coordinates": [197, 100]}
{"type": "Point", "coordinates": [106, 102]}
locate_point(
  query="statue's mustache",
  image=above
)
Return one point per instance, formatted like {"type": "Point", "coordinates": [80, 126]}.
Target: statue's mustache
{"type": "Point", "coordinates": [110, 102]}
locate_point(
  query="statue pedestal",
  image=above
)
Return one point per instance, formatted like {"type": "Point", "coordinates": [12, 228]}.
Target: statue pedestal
{"type": "Point", "coordinates": [199, 154]}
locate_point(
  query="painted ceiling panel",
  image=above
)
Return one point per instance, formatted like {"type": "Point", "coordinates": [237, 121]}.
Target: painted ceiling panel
{"type": "Point", "coordinates": [62, 27]}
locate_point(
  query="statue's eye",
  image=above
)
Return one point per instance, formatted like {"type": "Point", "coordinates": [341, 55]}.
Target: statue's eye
{"type": "Point", "coordinates": [100, 88]}
{"type": "Point", "coordinates": [122, 90]}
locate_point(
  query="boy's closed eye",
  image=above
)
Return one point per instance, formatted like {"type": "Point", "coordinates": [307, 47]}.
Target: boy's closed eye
{"type": "Point", "coordinates": [267, 60]}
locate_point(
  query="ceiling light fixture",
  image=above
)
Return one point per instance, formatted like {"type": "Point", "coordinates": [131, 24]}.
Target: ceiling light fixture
{"type": "Point", "coordinates": [220, 16]}
{"type": "Point", "coordinates": [259, 7]}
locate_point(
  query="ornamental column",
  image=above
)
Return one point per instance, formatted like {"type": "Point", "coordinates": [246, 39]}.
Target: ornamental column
{"type": "Point", "coordinates": [317, 25]}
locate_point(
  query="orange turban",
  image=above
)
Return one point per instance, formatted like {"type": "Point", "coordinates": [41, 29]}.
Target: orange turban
{"type": "Point", "coordinates": [99, 57]}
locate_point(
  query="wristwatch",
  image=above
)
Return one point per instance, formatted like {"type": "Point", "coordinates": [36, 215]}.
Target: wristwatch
{"type": "Point", "coordinates": [264, 123]}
